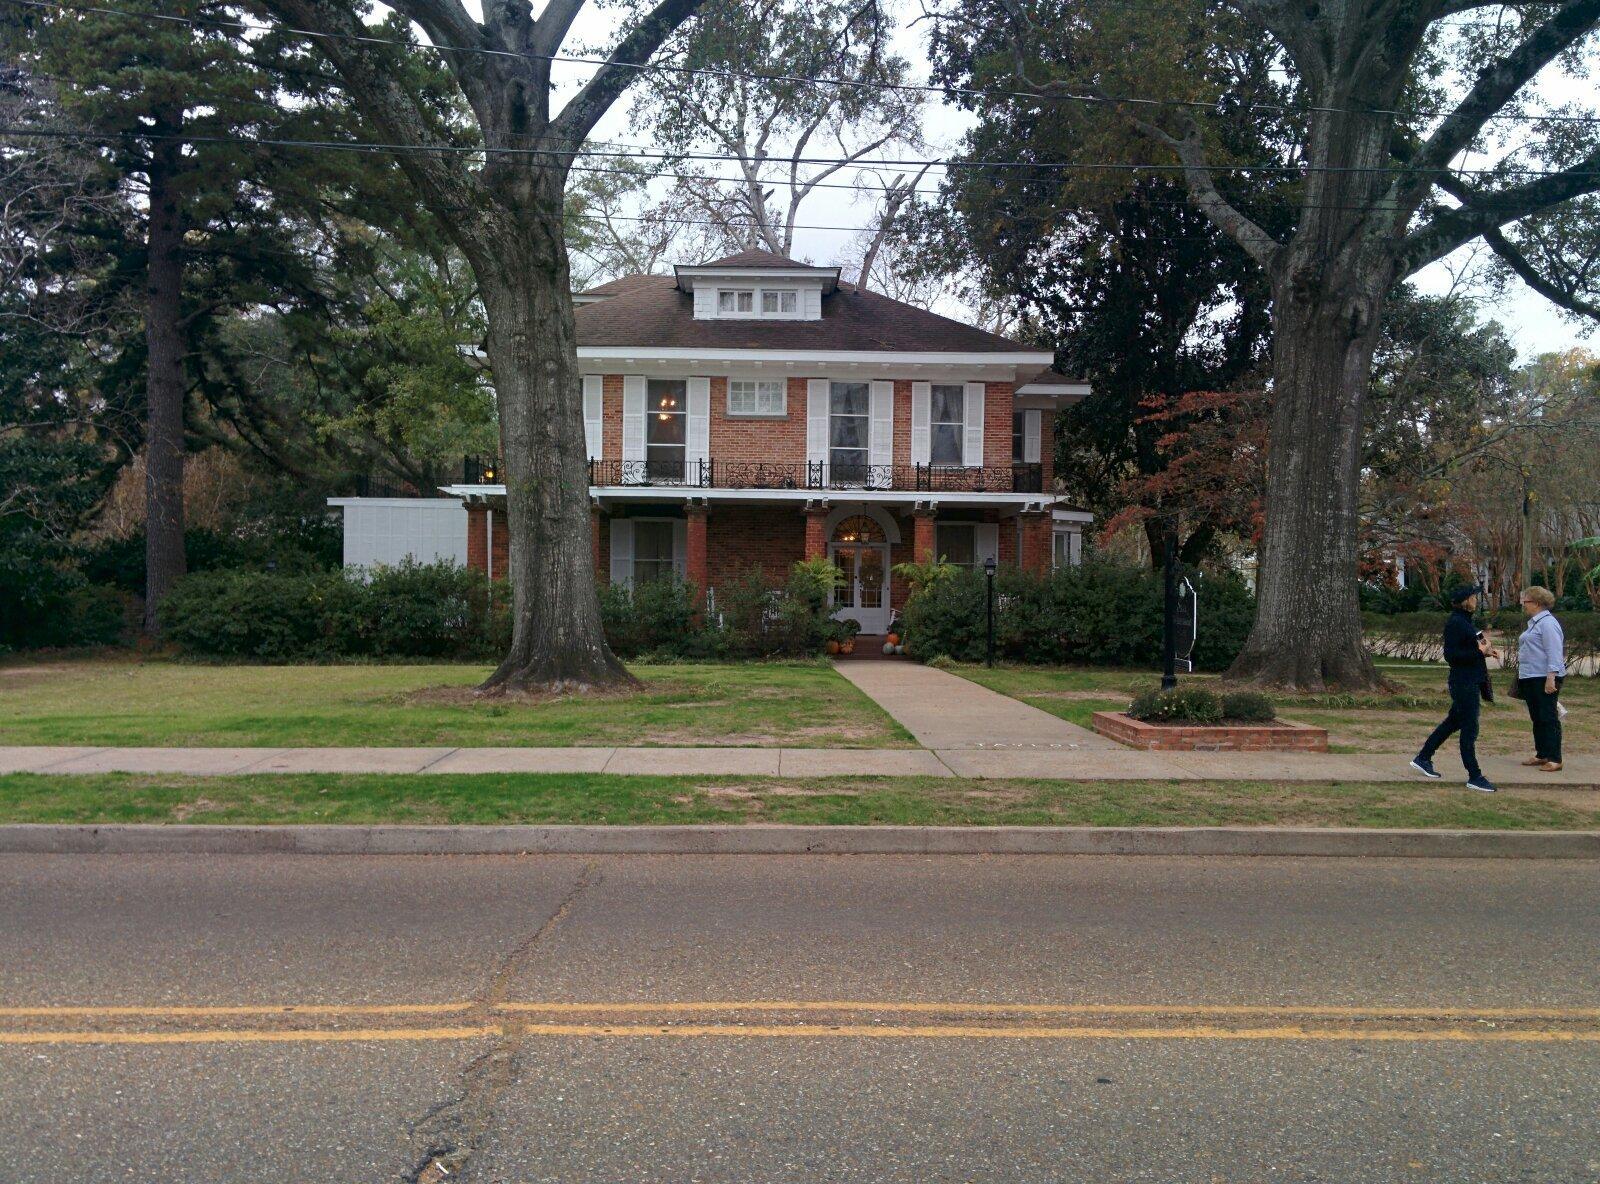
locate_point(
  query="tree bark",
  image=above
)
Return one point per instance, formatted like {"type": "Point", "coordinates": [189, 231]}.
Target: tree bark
{"type": "Point", "coordinates": [557, 642]}
{"type": "Point", "coordinates": [1307, 630]}
{"type": "Point", "coordinates": [164, 387]}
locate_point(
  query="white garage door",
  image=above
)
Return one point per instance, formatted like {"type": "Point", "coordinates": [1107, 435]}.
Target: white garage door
{"type": "Point", "coordinates": [388, 529]}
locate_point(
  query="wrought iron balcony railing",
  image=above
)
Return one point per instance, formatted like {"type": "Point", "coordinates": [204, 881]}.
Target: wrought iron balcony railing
{"type": "Point", "coordinates": [724, 474]}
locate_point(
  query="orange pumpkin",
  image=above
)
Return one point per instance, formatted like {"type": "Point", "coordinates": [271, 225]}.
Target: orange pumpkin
{"type": "Point", "coordinates": [833, 646]}
{"type": "Point", "coordinates": [893, 639]}
{"type": "Point", "coordinates": [848, 647]}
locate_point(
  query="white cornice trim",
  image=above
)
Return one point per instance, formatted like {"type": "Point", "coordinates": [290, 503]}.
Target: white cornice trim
{"type": "Point", "coordinates": [677, 493]}
{"type": "Point", "coordinates": [821, 356]}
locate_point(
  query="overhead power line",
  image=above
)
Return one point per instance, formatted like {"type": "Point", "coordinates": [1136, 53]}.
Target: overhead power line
{"type": "Point", "coordinates": [753, 76]}
{"type": "Point", "coordinates": [363, 146]}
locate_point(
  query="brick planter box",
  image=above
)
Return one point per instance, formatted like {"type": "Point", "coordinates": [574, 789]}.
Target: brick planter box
{"type": "Point", "coordinates": [1280, 736]}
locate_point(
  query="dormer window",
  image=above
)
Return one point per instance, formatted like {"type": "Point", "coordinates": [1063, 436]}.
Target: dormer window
{"type": "Point", "coordinates": [759, 303]}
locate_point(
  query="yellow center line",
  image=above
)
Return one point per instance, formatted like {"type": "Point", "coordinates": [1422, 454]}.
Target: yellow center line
{"type": "Point", "coordinates": [637, 1007]}
{"type": "Point", "coordinates": [812, 1031]}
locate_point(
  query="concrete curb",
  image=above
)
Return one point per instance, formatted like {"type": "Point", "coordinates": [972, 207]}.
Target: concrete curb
{"type": "Point", "coordinates": [133, 839]}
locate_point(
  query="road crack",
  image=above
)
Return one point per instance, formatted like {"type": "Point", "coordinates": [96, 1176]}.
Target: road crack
{"type": "Point", "coordinates": [445, 1137]}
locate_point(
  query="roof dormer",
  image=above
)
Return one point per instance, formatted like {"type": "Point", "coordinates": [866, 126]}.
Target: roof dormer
{"type": "Point", "coordinates": [757, 286]}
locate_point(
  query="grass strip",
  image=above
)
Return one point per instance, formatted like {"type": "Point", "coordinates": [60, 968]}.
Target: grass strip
{"type": "Point", "coordinates": [602, 798]}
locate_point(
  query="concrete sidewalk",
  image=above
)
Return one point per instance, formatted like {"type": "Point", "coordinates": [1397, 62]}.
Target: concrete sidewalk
{"type": "Point", "coordinates": [1068, 764]}
{"type": "Point", "coordinates": [944, 711]}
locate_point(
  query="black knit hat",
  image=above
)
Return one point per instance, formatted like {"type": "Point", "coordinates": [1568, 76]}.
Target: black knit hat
{"type": "Point", "coordinates": [1459, 594]}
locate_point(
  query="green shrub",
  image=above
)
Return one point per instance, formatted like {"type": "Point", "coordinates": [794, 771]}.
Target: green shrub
{"type": "Point", "coordinates": [1099, 613]}
{"type": "Point", "coordinates": [1247, 707]}
{"type": "Point", "coordinates": [1185, 703]}
{"type": "Point", "coordinates": [414, 610]}
{"type": "Point", "coordinates": [247, 614]}
{"type": "Point", "coordinates": [654, 618]}
{"type": "Point", "coordinates": [44, 605]}
{"type": "Point", "coordinates": [419, 610]}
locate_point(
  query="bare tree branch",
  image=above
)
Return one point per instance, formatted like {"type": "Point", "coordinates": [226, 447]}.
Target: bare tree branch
{"type": "Point", "coordinates": [584, 109]}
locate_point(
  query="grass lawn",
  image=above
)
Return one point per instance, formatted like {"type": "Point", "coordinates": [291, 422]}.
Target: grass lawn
{"type": "Point", "coordinates": [600, 798]}
{"type": "Point", "coordinates": [127, 701]}
{"type": "Point", "coordinates": [1366, 723]}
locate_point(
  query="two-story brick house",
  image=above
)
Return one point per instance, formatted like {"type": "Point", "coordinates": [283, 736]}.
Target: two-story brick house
{"type": "Point", "coordinates": [754, 410]}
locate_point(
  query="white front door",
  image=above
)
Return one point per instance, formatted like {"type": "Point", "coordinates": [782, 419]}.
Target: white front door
{"type": "Point", "coordinates": [863, 595]}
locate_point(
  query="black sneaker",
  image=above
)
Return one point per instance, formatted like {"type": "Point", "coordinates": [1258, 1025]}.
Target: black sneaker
{"type": "Point", "coordinates": [1480, 783]}
{"type": "Point", "coordinates": [1426, 769]}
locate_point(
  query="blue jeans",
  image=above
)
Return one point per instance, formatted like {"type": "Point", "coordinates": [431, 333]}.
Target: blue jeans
{"type": "Point", "coordinates": [1464, 707]}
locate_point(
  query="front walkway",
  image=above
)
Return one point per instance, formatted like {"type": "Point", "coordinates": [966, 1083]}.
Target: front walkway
{"type": "Point", "coordinates": [944, 711]}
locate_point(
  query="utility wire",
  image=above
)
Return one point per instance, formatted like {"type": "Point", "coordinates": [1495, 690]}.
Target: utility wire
{"type": "Point", "coordinates": [667, 67]}
{"type": "Point", "coordinates": [666, 157]}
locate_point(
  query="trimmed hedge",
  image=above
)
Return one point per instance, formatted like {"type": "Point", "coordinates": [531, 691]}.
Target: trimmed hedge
{"type": "Point", "coordinates": [1417, 636]}
{"type": "Point", "coordinates": [412, 611]}
{"type": "Point", "coordinates": [440, 610]}
{"type": "Point", "coordinates": [748, 619]}
{"type": "Point", "coordinates": [1191, 703]}
{"type": "Point", "coordinates": [1099, 613]}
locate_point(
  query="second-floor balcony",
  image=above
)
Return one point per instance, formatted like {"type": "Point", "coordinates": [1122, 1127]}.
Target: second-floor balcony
{"type": "Point", "coordinates": [747, 474]}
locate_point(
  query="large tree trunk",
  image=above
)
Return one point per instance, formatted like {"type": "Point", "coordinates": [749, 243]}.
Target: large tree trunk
{"type": "Point", "coordinates": [164, 394]}
{"type": "Point", "coordinates": [1307, 631]}
{"type": "Point", "coordinates": [557, 642]}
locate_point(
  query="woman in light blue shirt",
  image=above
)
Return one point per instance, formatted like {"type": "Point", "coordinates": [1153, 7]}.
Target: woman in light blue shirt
{"type": "Point", "coordinates": [1541, 669]}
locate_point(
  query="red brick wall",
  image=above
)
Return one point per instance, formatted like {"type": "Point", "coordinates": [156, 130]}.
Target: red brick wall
{"type": "Point", "coordinates": [477, 536]}
{"type": "Point", "coordinates": [771, 538]}
{"type": "Point", "coordinates": [611, 417]}
{"type": "Point", "coordinates": [739, 439]}
{"type": "Point", "coordinates": [997, 405]}
{"type": "Point", "coordinates": [784, 440]}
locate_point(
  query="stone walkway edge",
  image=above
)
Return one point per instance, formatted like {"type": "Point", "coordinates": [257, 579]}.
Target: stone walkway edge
{"type": "Point", "coordinates": [1064, 763]}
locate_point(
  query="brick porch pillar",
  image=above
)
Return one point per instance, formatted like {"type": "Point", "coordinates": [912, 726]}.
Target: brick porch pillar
{"type": "Point", "coordinates": [694, 566]}
{"type": "Point", "coordinates": [922, 535]}
{"type": "Point", "coordinates": [816, 532]}
{"type": "Point", "coordinates": [477, 538]}
{"type": "Point", "coordinates": [1037, 530]}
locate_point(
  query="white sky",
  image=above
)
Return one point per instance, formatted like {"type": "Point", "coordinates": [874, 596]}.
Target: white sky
{"type": "Point", "coordinates": [1535, 325]}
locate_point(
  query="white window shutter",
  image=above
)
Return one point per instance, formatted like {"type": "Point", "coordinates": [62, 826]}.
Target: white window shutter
{"type": "Point", "coordinates": [972, 448]}
{"type": "Point", "coordinates": [593, 386]}
{"type": "Point", "coordinates": [986, 542]}
{"type": "Point", "coordinates": [880, 441]}
{"type": "Point", "coordinates": [680, 547]}
{"type": "Point", "coordinates": [622, 552]}
{"type": "Point", "coordinates": [633, 395]}
{"type": "Point", "coordinates": [698, 440]}
{"type": "Point", "coordinates": [1030, 436]}
{"type": "Point", "coordinates": [921, 415]}
{"type": "Point", "coordinates": [817, 392]}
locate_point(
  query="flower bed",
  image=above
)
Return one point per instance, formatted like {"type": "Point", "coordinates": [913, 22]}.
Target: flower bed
{"type": "Point", "coordinates": [1277, 736]}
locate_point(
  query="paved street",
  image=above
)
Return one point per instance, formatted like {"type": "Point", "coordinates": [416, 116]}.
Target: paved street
{"type": "Point", "coordinates": [798, 1018]}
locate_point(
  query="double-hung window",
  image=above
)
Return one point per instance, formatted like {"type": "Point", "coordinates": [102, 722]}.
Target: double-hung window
{"type": "Point", "coordinates": [848, 432]}
{"type": "Point", "coordinates": [652, 551]}
{"type": "Point", "coordinates": [756, 396]}
{"type": "Point", "coordinates": [957, 544]}
{"type": "Point", "coordinates": [736, 301]}
{"type": "Point", "coordinates": [666, 428]}
{"type": "Point", "coordinates": [1019, 429]}
{"type": "Point", "coordinates": [947, 424]}
{"type": "Point", "coordinates": [780, 301]}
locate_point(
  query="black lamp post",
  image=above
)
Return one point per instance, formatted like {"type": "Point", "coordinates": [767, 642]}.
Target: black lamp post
{"type": "Point", "coordinates": [1169, 610]}
{"type": "Point", "coordinates": [988, 571]}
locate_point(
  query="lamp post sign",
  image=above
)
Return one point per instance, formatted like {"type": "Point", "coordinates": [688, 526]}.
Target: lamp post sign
{"type": "Point", "coordinates": [988, 572]}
